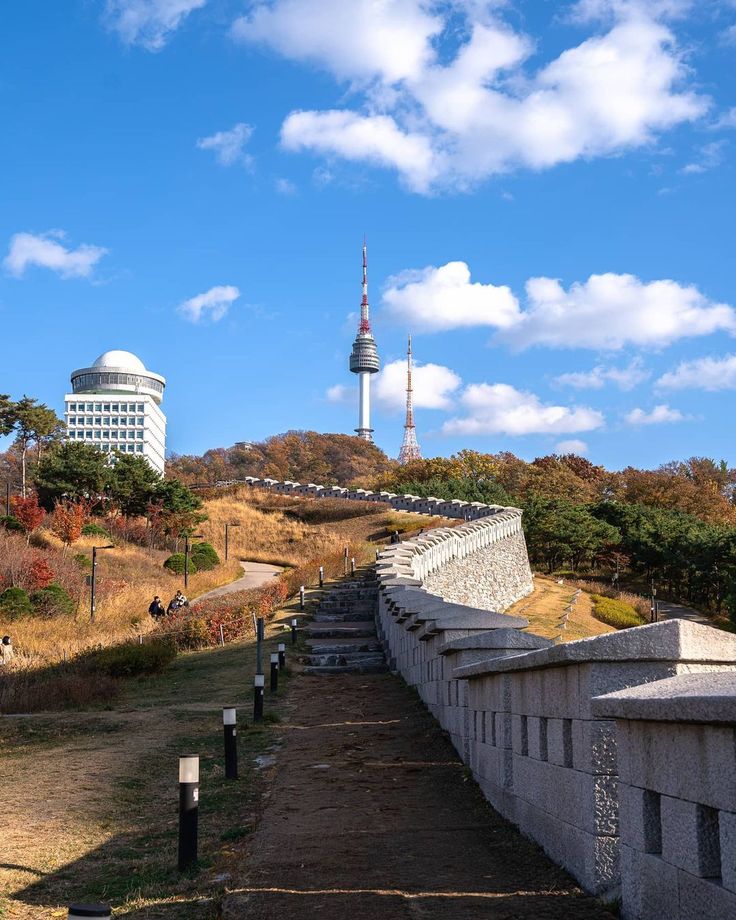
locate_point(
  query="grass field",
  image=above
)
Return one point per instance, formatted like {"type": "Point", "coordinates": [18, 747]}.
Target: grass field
{"type": "Point", "coordinates": [545, 608]}
{"type": "Point", "coordinates": [104, 825]}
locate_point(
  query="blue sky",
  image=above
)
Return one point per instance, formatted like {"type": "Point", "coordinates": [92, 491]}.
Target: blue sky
{"type": "Point", "coordinates": [547, 191]}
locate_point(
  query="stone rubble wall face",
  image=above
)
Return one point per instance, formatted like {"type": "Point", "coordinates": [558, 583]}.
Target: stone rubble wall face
{"type": "Point", "coordinates": [492, 578]}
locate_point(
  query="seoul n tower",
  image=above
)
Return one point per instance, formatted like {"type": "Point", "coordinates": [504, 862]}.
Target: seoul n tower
{"type": "Point", "coordinates": [364, 359]}
{"type": "Point", "coordinates": [410, 447]}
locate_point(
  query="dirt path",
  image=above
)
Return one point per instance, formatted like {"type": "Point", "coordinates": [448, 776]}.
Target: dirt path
{"type": "Point", "coordinates": [669, 611]}
{"type": "Point", "coordinates": [255, 574]}
{"type": "Point", "coordinates": [373, 816]}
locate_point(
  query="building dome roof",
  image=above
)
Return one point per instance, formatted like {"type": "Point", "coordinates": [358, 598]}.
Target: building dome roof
{"type": "Point", "coordinates": [121, 359]}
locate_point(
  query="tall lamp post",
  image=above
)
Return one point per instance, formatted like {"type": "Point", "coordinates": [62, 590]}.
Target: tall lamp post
{"type": "Point", "coordinates": [187, 538]}
{"type": "Point", "coordinates": [227, 546]}
{"type": "Point", "coordinates": [93, 580]}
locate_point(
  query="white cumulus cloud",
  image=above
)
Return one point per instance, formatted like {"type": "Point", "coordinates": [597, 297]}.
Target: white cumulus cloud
{"type": "Point", "coordinates": [502, 409]}
{"type": "Point", "coordinates": [701, 374]}
{"type": "Point", "coordinates": [573, 446]}
{"type": "Point", "coordinates": [625, 378]}
{"type": "Point", "coordinates": [448, 94]}
{"type": "Point", "coordinates": [659, 415]}
{"type": "Point", "coordinates": [149, 23]}
{"type": "Point", "coordinates": [46, 250]}
{"type": "Point", "coordinates": [229, 146]}
{"type": "Point", "coordinates": [212, 304]}
{"type": "Point", "coordinates": [612, 310]}
{"type": "Point", "coordinates": [436, 299]}
{"type": "Point", "coordinates": [341, 394]}
{"type": "Point", "coordinates": [434, 385]}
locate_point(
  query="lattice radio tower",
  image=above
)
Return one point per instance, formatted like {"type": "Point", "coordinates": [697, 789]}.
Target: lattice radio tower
{"type": "Point", "coordinates": [410, 449]}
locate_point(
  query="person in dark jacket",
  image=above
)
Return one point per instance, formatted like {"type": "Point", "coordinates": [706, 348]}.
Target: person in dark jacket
{"type": "Point", "coordinates": [157, 609]}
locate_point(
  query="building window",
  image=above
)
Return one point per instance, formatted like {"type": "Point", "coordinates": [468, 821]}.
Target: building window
{"type": "Point", "coordinates": [106, 407]}
{"type": "Point", "coordinates": [106, 420]}
{"type": "Point", "coordinates": [140, 419]}
{"type": "Point", "coordinates": [98, 407]}
{"type": "Point", "coordinates": [89, 407]}
{"type": "Point", "coordinates": [139, 448]}
{"type": "Point", "coordinates": [114, 435]}
{"type": "Point", "coordinates": [98, 435]}
{"type": "Point", "coordinates": [88, 435]}
{"type": "Point", "coordinates": [115, 407]}
{"type": "Point", "coordinates": [139, 435]}
{"type": "Point", "coordinates": [98, 420]}
{"type": "Point", "coordinates": [141, 407]}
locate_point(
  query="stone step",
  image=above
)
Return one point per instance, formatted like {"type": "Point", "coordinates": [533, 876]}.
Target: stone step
{"type": "Point", "coordinates": [343, 646]}
{"type": "Point", "coordinates": [344, 661]}
{"type": "Point", "coordinates": [373, 668]}
{"type": "Point", "coordinates": [348, 616]}
{"type": "Point", "coordinates": [347, 629]}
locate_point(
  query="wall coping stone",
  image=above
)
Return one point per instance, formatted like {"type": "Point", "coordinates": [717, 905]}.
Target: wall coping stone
{"type": "Point", "coordinates": [686, 698]}
{"type": "Point", "coordinates": [673, 640]}
{"type": "Point", "coordinates": [502, 637]}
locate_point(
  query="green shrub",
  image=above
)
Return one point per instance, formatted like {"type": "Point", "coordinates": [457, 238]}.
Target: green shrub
{"type": "Point", "coordinates": [131, 659]}
{"type": "Point", "coordinates": [82, 560]}
{"type": "Point", "coordinates": [204, 556]}
{"type": "Point", "coordinates": [14, 602]}
{"type": "Point", "coordinates": [564, 573]}
{"type": "Point", "coordinates": [10, 523]}
{"type": "Point", "coordinates": [94, 530]}
{"type": "Point", "coordinates": [52, 601]}
{"type": "Point", "coordinates": [175, 564]}
{"type": "Point", "coordinates": [615, 613]}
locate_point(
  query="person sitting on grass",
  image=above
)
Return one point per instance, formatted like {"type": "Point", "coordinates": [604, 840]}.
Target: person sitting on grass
{"type": "Point", "coordinates": [177, 602]}
{"type": "Point", "coordinates": [156, 608]}
{"type": "Point", "coordinates": [6, 650]}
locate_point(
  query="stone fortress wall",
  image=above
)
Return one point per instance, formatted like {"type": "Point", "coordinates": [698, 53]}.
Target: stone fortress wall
{"type": "Point", "coordinates": [617, 754]}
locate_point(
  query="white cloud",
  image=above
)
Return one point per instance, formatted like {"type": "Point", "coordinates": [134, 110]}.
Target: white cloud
{"type": "Point", "coordinates": [341, 394]}
{"type": "Point", "coordinates": [436, 299]}
{"type": "Point", "coordinates": [229, 146]}
{"type": "Point", "coordinates": [501, 409]}
{"type": "Point", "coordinates": [659, 415]}
{"type": "Point", "coordinates": [725, 120]}
{"type": "Point", "coordinates": [609, 311]}
{"type": "Point", "coordinates": [709, 157]}
{"type": "Point", "coordinates": [433, 384]}
{"type": "Point", "coordinates": [625, 378]}
{"type": "Point", "coordinates": [148, 23]}
{"type": "Point", "coordinates": [212, 304]}
{"type": "Point", "coordinates": [572, 446]}
{"type": "Point", "coordinates": [357, 40]}
{"type": "Point", "coordinates": [449, 96]}
{"type": "Point", "coordinates": [46, 251]}
{"type": "Point", "coordinates": [701, 374]}
{"type": "Point", "coordinates": [375, 138]}
{"type": "Point", "coordinates": [285, 187]}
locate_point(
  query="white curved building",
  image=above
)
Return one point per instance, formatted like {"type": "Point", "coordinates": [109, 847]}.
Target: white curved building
{"type": "Point", "coordinates": [115, 405]}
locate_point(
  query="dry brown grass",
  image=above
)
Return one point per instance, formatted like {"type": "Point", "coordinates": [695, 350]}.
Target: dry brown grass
{"type": "Point", "coordinates": [545, 607]}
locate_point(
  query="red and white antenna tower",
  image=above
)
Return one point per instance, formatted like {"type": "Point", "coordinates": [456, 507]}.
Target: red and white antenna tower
{"type": "Point", "coordinates": [409, 447]}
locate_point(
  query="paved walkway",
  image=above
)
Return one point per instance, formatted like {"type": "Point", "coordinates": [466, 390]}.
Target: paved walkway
{"type": "Point", "coordinates": [372, 817]}
{"type": "Point", "coordinates": [255, 574]}
{"type": "Point", "coordinates": [668, 611]}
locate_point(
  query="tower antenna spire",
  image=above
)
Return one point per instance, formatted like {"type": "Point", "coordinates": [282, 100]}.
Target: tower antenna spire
{"type": "Point", "coordinates": [410, 449]}
{"type": "Point", "coordinates": [364, 359]}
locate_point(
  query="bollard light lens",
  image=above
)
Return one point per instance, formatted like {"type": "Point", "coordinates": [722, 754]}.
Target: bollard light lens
{"type": "Point", "coordinates": [229, 716]}
{"type": "Point", "coordinates": [101, 911]}
{"type": "Point", "coordinates": [282, 646]}
{"type": "Point", "coordinates": [260, 680]}
{"type": "Point", "coordinates": [275, 658]}
{"type": "Point", "coordinates": [293, 623]}
{"type": "Point", "coordinates": [189, 768]}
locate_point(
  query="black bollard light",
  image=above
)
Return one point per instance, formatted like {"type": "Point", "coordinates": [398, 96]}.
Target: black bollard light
{"type": "Point", "coordinates": [282, 655]}
{"type": "Point", "coordinates": [101, 911]}
{"type": "Point", "coordinates": [229, 719]}
{"type": "Point", "coordinates": [258, 685]}
{"type": "Point", "coordinates": [321, 576]}
{"type": "Point", "coordinates": [274, 672]}
{"type": "Point", "coordinates": [260, 632]}
{"type": "Point", "coordinates": [293, 631]}
{"type": "Point", "coordinates": [345, 561]}
{"type": "Point", "coordinates": [188, 810]}
{"type": "Point", "coordinates": [301, 598]}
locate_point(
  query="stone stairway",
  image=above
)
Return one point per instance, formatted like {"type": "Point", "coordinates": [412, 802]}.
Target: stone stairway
{"type": "Point", "coordinates": [341, 637]}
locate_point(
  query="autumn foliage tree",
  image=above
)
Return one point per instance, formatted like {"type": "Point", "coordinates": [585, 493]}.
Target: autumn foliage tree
{"type": "Point", "coordinates": [28, 513]}
{"type": "Point", "coordinates": [69, 519]}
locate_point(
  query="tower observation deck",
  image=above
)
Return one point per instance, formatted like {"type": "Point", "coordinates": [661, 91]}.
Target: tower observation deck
{"type": "Point", "coordinates": [364, 359]}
